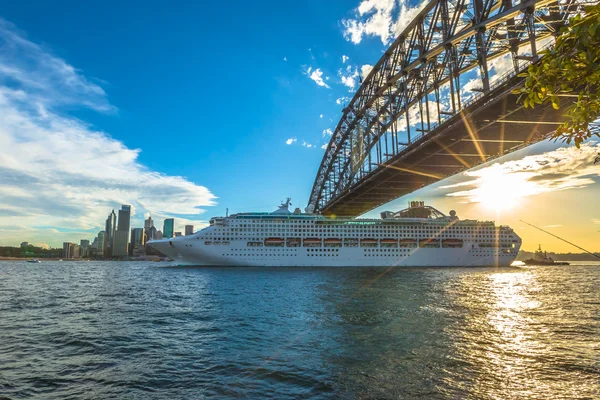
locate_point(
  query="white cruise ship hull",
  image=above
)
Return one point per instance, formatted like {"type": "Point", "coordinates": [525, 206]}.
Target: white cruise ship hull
{"type": "Point", "coordinates": [419, 236]}
{"type": "Point", "coordinates": [188, 251]}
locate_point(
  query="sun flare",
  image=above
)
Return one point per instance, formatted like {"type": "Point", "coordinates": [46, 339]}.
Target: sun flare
{"type": "Point", "coordinates": [500, 191]}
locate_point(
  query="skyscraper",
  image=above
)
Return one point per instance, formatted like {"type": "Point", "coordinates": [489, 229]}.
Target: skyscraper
{"type": "Point", "coordinates": [70, 250]}
{"type": "Point", "coordinates": [168, 228]}
{"type": "Point", "coordinates": [84, 248]}
{"type": "Point", "coordinates": [101, 244]}
{"type": "Point", "coordinates": [121, 240]}
{"type": "Point", "coordinates": [149, 229]}
{"type": "Point", "coordinates": [189, 230]}
{"type": "Point", "coordinates": [110, 228]}
{"type": "Point", "coordinates": [148, 223]}
{"type": "Point", "coordinates": [138, 240]}
{"type": "Point", "coordinates": [124, 218]}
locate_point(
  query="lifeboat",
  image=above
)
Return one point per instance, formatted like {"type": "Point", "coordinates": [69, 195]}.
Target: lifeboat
{"type": "Point", "coordinates": [350, 242]}
{"type": "Point", "coordinates": [452, 243]}
{"type": "Point", "coordinates": [273, 241]}
{"type": "Point", "coordinates": [429, 243]}
{"type": "Point", "coordinates": [389, 242]}
{"type": "Point", "coordinates": [408, 242]}
{"type": "Point", "coordinates": [332, 242]}
{"type": "Point", "coordinates": [312, 242]}
{"type": "Point", "coordinates": [368, 242]}
{"type": "Point", "coordinates": [293, 242]}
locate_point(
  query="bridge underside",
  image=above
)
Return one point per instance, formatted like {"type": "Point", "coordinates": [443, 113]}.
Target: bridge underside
{"type": "Point", "coordinates": [494, 126]}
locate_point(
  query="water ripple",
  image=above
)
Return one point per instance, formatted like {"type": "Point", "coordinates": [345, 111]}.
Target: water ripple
{"type": "Point", "coordinates": [130, 330]}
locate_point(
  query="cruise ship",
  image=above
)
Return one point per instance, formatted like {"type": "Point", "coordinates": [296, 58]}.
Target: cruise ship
{"type": "Point", "coordinates": [418, 236]}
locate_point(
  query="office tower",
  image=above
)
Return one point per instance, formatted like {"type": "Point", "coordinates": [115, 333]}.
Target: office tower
{"type": "Point", "coordinates": [121, 240]}
{"type": "Point", "coordinates": [110, 228]}
{"type": "Point", "coordinates": [101, 244]}
{"type": "Point", "coordinates": [120, 244]}
{"type": "Point", "coordinates": [84, 246]}
{"type": "Point", "coordinates": [149, 229]}
{"type": "Point", "coordinates": [138, 240]}
{"type": "Point", "coordinates": [70, 250]}
{"type": "Point", "coordinates": [177, 234]}
{"type": "Point", "coordinates": [158, 235]}
{"type": "Point", "coordinates": [168, 228]}
{"type": "Point", "coordinates": [148, 223]}
{"type": "Point", "coordinates": [189, 230]}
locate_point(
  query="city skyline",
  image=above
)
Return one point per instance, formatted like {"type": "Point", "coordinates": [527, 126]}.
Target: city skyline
{"type": "Point", "coordinates": [83, 134]}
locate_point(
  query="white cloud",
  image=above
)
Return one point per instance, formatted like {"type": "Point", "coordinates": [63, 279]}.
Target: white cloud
{"type": "Point", "coordinates": [317, 76]}
{"type": "Point", "coordinates": [344, 59]}
{"type": "Point", "coordinates": [380, 18]}
{"type": "Point", "coordinates": [57, 172]}
{"type": "Point", "coordinates": [324, 146]}
{"type": "Point", "coordinates": [366, 70]}
{"type": "Point", "coordinates": [349, 77]}
{"type": "Point", "coordinates": [284, 58]}
{"type": "Point", "coordinates": [342, 100]}
{"type": "Point", "coordinates": [291, 141]}
{"type": "Point", "coordinates": [551, 226]}
{"type": "Point", "coordinates": [596, 221]}
{"type": "Point", "coordinates": [320, 115]}
{"type": "Point", "coordinates": [327, 132]}
{"type": "Point", "coordinates": [308, 145]}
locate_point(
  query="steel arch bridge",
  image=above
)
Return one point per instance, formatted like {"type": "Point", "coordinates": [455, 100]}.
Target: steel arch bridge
{"type": "Point", "coordinates": [413, 121]}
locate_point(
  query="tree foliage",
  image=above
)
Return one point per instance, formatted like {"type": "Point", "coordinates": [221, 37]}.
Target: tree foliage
{"type": "Point", "coordinates": [570, 67]}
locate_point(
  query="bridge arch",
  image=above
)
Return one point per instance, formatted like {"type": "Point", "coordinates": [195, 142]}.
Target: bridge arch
{"type": "Point", "coordinates": [413, 99]}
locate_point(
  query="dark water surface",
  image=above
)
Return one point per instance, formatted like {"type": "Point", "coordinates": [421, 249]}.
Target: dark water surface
{"type": "Point", "coordinates": [97, 330]}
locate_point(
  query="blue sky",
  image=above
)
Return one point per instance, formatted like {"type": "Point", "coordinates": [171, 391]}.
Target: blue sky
{"type": "Point", "coordinates": [181, 108]}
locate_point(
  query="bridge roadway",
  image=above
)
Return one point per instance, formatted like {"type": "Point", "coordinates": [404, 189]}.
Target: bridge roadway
{"type": "Point", "coordinates": [490, 127]}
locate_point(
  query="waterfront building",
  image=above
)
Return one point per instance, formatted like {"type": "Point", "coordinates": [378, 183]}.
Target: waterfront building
{"type": "Point", "coordinates": [24, 244]}
{"type": "Point", "coordinates": [149, 229]}
{"type": "Point", "coordinates": [138, 240]}
{"type": "Point", "coordinates": [70, 250]}
{"type": "Point", "coordinates": [84, 248]}
{"type": "Point", "coordinates": [121, 240]}
{"type": "Point", "coordinates": [168, 228]}
{"type": "Point", "coordinates": [101, 244]}
{"type": "Point", "coordinates": [189, 230]}
{"type": "Point", "coordinates": [150, 233]}
{"type": "Point", "coordinates": [148, 223]}
{"type": "Point", "coordinates": [120, 244]}
{"type": "Point", "coordinates": [177, 234]}
{"type": "Point", "coordinates": [110, 228]}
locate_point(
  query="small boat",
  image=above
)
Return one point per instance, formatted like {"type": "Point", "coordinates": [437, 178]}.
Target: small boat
{"type": "Point", "coordinates": [541, 258]}
{"type": "Point", "coordinates": [34, 261]}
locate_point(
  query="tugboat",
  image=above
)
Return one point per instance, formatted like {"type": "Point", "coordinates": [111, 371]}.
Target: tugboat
{"type": "Point", "coordinates": [541, 258]}
{"type": "Point", "coordinates": [34, 261]}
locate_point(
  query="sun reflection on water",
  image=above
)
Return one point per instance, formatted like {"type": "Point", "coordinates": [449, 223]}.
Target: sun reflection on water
{"type": "Point", "coordinates": [508, 341]}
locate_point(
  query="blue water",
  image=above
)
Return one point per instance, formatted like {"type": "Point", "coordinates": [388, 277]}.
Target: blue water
{"type": "Point", "coordinates": [98, 330]}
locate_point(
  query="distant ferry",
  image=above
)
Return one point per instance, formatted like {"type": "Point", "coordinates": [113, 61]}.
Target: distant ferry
{"type": "Point", "coordinates": [417, 236]}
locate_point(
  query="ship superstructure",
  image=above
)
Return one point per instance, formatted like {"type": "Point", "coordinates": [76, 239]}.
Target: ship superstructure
{"type": "Point", "coordinates": [417, 236]}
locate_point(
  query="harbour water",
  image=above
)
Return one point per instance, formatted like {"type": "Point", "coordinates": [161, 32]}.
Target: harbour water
{"type": "Point", "coordinates": [98, 330]}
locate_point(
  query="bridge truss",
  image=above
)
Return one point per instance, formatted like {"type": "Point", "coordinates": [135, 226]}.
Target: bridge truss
{"type": "Point", "coordinates": [414, 95]}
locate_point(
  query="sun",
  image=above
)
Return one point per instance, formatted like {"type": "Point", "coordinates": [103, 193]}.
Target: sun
{"type": "Point", "coordinates": [500, 191]}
